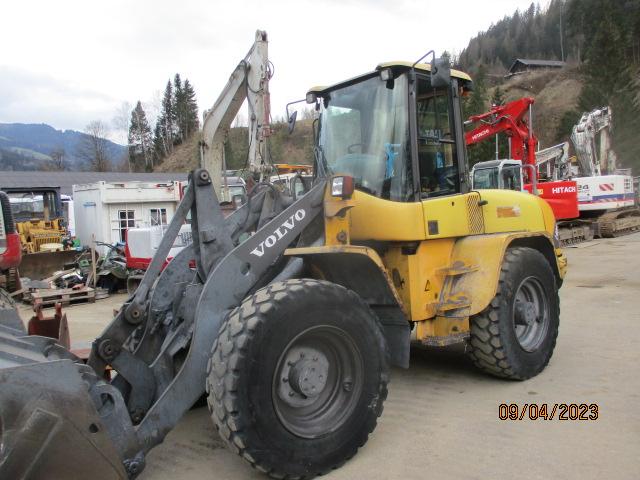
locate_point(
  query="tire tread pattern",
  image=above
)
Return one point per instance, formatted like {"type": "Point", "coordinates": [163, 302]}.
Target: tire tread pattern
{"type": "Point", "coordinates": [228, 353]}
{"type": "Point", "coordinates": [485, 346]}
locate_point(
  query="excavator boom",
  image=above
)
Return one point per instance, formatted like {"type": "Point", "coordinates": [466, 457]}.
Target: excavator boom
{"type": "Point", "coordinates": [510, 119]}
{"type": "Point", "coordinates": [514, 120]}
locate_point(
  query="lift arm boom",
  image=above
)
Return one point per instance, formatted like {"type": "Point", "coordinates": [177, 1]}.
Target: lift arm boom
{"type": "Point", "coordinates": [249, 81]}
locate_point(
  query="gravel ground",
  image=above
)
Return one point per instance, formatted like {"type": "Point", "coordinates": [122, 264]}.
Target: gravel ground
{"type": "Point", "coordinates": [441, 418]}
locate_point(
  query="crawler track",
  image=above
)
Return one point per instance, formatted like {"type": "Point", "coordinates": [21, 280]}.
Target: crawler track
{"type": "Point", "coordinates": [616, 224]}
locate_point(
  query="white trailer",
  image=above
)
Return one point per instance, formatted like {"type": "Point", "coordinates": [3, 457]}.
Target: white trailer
{"type": "Point", "coordinates": [108, 209]}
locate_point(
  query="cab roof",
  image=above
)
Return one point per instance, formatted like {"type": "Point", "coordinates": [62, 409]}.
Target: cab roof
{"type": "Point", "coordinates": [399, 65]}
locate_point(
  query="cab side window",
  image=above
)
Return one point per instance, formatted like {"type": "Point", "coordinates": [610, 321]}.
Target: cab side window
{"type": "Point", "coordinates": [511, 178]}
{"type": "Point", "coordinates": [437, 159]}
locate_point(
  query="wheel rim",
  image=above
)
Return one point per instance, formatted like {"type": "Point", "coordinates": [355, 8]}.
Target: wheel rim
{"type": "Point", "coordinates": [317, 381]}
{"type": "Point", "coordinates": [531, 314]}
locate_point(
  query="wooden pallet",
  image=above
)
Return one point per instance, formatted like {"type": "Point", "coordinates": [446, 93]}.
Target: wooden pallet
{"type": "Point", "coordinates": [67, 296]}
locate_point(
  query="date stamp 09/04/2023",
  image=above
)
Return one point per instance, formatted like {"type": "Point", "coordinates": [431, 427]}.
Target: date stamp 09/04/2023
{"type": "Point", "coordinates": [549, 411]}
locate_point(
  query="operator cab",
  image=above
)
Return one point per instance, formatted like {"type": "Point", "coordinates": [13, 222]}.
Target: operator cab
{"type": "Point", "coordinates": [394, 131]}
{"type": "Point", "coordinates": [498, 174]}
{"type": "Point", "coordinates": [39, 204]}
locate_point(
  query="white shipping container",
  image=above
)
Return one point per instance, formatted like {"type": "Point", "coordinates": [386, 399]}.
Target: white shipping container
{"type": "Point", "coordinates": [108, 209]}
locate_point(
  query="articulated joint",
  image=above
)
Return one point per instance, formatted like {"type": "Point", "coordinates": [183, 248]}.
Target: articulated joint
{"type": "Point", "coordinates": [134, 313]}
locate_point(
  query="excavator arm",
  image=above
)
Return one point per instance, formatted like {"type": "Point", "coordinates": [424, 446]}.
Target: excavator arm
{"type": "Point", "coordinates": [510, 119]}
{"type": "Point", "coordinates": [592, 142]}
{"type": "Point", "coordinates": [249, 81]}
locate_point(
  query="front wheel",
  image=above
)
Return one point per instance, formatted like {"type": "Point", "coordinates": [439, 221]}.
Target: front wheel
{"type": "Point", "coordinates": [515, 335]}
{"type": "Point", "coordinates": [297, 377]}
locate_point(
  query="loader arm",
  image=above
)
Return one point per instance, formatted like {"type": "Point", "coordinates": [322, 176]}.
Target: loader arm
{"type": "Point", "coordinates": [158, 343]}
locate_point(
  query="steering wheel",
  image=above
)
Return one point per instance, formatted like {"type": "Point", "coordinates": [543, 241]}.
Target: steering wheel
{"type": "Point", "coordinates": [351, 147]}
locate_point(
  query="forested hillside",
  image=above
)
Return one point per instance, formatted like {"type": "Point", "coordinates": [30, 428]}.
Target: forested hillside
{"type": "Point", "coordinates": [600, 40]}
{"type": "Point", "coordinates": [42, 147]}
{"type": "Point", "coordinates": [175, 128]}
{"type": "Point", "coordinates": [295, 148]}
{"type": "Point", "coordinates": [534, 33]}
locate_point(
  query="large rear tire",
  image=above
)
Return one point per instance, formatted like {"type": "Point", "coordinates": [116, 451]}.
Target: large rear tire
{"type": "Point", "coordinates": [515, 335]}
{"type": "Point", "coordinates": [297, 377]}
{"type": "Point", "coordinates": [9, 316]}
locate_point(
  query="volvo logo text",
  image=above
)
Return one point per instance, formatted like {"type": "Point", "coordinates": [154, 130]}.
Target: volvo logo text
{"type": "Point", "coordinates": [279, 233]}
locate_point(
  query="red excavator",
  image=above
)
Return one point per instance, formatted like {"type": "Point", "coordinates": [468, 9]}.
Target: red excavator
{"type": "Point", "coordinates": [594, 198]}
{"type": "Point", "coordinates": [515, 120]}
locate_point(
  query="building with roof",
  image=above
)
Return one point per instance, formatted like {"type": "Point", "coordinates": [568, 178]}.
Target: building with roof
{"type": "Point", "coordinates": [107, 210]}
{"type": "Point", "coordinates": [522, 65]}
{"type": "Point", "coordinates": [65, 180]}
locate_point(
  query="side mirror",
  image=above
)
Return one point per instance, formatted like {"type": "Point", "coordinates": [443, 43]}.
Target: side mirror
{"type": "Point", "coordinates": [291, 118]}
{"type": "Point", "coordinates": [440, 72]}
{"type": "Point", "coordinates": [292, 121]}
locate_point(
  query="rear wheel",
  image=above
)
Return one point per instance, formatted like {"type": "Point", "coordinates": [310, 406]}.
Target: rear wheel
{"type": "Point", "coordinates": [297, 377]}
{"type": "Point", "coordinates": [515, 335]}
{"type": "Point", "coordinates": [9, 316]}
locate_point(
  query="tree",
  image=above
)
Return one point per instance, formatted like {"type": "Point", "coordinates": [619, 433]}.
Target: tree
{"type": "Point", "coordinates": [185, 109]}
{"type": "Point", "coordinates": [140, 140]}
{"type": "Point", "coordinates": [93, 148]}
{"type": "Point", "coordinates": [192, 121]}
{"type": "Point", "coordinates": [503, 141]}
{"type": "Point", "coordinates": [158, 144]}
{"type": "Point", "coordinates": [57, 162]}
{"type": "Point", "coordinates": [611, 63]}
{"type": "Point", "coordinates": [120, 120]}
{"type": "Point", "coordinates": [474, 105]}
{"type": "Point", "coordinates": [167, 121]}
{"type": "Point", "coordinates": [179, 110]}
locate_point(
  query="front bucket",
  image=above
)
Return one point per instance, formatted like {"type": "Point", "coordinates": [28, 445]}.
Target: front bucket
{"type": "Point", "coordinates": [49, 426]}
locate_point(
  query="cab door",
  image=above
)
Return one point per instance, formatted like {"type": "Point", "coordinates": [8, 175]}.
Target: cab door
{"type": "Point", "coordinates": [441, 161]}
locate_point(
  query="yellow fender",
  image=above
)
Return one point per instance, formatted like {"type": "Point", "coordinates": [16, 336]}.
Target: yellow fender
{"type": "Point", "coordinates": [483, 255]}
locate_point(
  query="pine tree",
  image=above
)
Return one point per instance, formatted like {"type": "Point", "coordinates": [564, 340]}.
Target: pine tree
{"type": "Point", "coordinates": [167, 121]}
{"type": "Point", "coordinates": [192, 121]}
{"type": "Point", "coordinates": [609, 69]}
{"type": "Point", "coordinates": [179, 110]}
{"type": "Point", "coordinates": [185, 109]}
{"type": "Point", "coordinates": [503, 141]}
{"type": "Point", "coordinates": [475, 105]}
{"type": "Point", "coordinates": [140, 140]}
{"type": "Point", "coordinates": [158, 144]}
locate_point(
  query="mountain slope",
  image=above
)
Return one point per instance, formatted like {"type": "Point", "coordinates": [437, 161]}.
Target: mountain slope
{"type": "Point", "coordinates": [556, 94]}
{"type": "Point", "coordinates": [29, 146]}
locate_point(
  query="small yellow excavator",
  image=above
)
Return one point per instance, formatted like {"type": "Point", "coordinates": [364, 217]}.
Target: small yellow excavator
{"type": "Point", "coordinates": [289, 312]}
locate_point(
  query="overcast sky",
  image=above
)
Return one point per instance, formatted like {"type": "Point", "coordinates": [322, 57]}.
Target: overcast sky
{"type": "Point", "coordinates": [69, 62]}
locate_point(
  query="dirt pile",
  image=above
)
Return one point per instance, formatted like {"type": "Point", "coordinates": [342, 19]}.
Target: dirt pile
{"type": "Point", "coordinates": [556, 93]}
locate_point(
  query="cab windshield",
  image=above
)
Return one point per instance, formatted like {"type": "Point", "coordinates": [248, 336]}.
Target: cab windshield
{"type": "Point", "coordinates": [364, 132]}
{"type": "Point", "coordinates": [27, 206]}
{"type": "Point", "coordinates": [485, 178]}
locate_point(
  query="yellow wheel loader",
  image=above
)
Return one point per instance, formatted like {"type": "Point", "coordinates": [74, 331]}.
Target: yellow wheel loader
{"type": "Point", "coordinates": [294, 309]}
